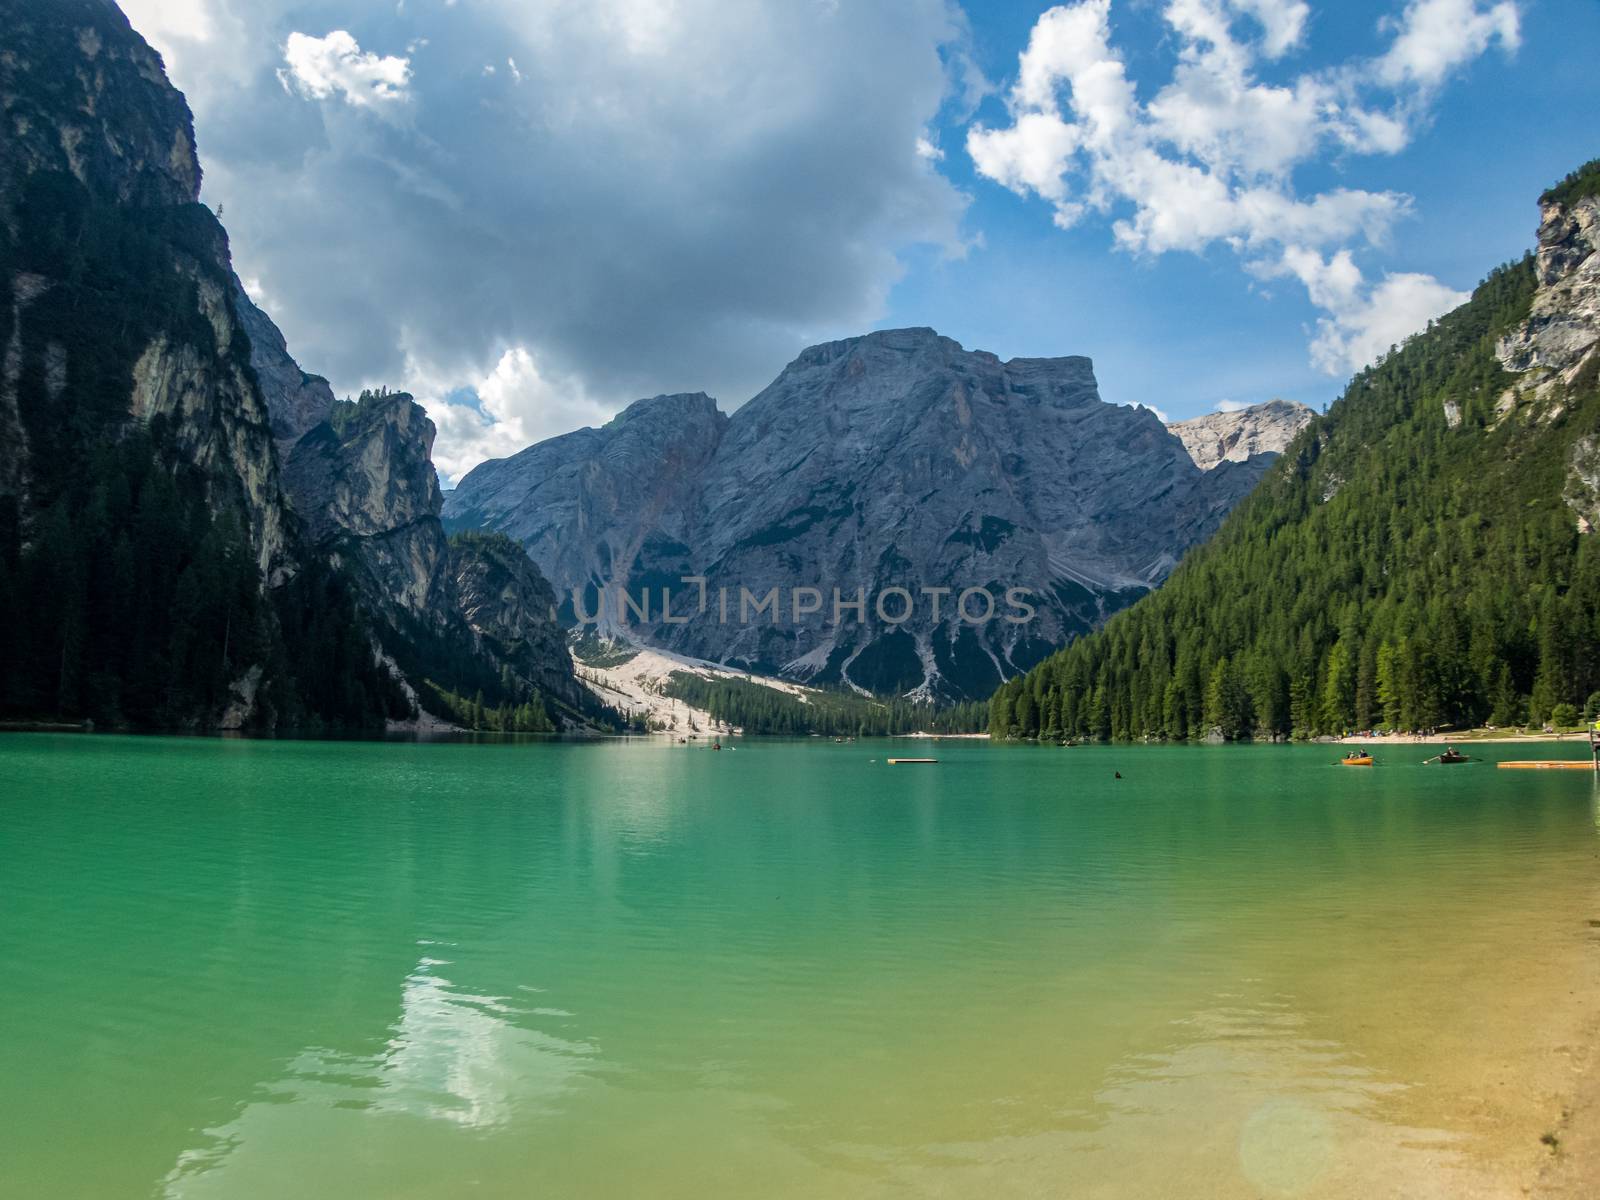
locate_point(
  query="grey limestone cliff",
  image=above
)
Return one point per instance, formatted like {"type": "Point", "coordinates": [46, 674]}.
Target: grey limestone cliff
{"type": "Point", "coordinates": [589, 500]}
{"type": "Point", "coordinates": [897, 460]}
{"type": "Point", "coordinates": [364, 486]}
{"type": "Point", "coordinates": [1562, 332]}
{"type": "Point", "coordinates": [363, 483]}
{"type": "Point", "coordinates": [295, 400]}
{"type": "Point", "coordinates": [1555, 352]}
{"type": "Point", "coordinates": [1241, 435]}
{"type": "Point", "coordinates": [92, 135]}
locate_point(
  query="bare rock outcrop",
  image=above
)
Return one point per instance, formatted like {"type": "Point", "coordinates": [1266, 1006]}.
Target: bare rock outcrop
{"type": "Point", "coordinates": [894, 464]}
{"type": "Point", "coordinates": [1239, 436]}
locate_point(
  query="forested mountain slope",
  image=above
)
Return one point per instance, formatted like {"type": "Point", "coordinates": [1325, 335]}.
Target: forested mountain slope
{"type": "Point", "coordinates": [1423, 555]}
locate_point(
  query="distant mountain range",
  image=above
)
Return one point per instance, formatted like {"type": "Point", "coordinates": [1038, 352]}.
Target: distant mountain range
{"type": "Point", "coordinates": [896, 468]}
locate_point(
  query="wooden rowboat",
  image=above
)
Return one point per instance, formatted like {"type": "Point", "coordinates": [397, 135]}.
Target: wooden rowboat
{"type": "Point", "coordinates": [1364, 761]}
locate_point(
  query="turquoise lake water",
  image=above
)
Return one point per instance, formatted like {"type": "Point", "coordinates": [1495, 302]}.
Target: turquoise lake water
{"type": "Point", "coordinates": [630, 968]}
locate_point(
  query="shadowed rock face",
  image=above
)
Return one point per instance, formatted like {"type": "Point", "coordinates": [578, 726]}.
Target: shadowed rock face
{"type": "Point", "coordinates": [295, 400]}
{"type": "Point", "coordinates": [511, 609]}
{"type": "Point", "coordinates": [1239, 436]}
{"type": "Point", "coordinates": [119, 307]}
{"type": "Point", "coordinates": [84, 93]}
{"type": "Point", "coordinates": [363, 483]}
{"type": "Point", "coordinates": [89, 124]}
{"type": "Point", "coordinates": [894, 460]}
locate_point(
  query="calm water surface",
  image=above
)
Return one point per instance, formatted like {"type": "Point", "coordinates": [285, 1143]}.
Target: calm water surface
{"type": "Point", "coordinates": [358, 970]}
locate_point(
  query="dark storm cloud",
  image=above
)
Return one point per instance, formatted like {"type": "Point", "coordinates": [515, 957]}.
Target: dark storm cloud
{"type": "Point", "coordinates": [593, 201]}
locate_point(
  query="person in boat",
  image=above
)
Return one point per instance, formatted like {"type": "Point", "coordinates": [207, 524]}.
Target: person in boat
{"type": "Point", "coordinates": [1452, 755]}
{"type": "Point", "coordinates": [1356, 752]}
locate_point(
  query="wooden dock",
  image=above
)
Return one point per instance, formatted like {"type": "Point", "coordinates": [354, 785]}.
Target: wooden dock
{"type": "Point", "coordinates": [1547, 764]}
{"type": "Point", "coordinates": [1563, 764]}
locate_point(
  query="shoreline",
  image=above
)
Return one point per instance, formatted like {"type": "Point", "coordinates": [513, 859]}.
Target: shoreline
{"type": "Point", "coordinates": [1578, 737]}
{"type": "Point", "coordinates": [436, 726]}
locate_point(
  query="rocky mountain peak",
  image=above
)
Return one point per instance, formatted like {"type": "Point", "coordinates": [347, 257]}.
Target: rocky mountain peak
{"type": "Point", "coordinates": [894, 460]}
{"type": "Point", "coordinates": [365, 470]}
{"type": "Point", "coordinates": [913, 340]}
{"type": "Point", "coordinates": [890, 359]}
{"type": "Point", "coordinates": [1220, 437]}
{"type": "Point", "coordinates": [678, 406]}
{"type": "Point", "coordinates": [363, 483]}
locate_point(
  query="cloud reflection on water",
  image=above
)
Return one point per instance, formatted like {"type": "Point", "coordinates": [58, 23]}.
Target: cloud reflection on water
{"type": "Point", "coordinates": [451, 1056]}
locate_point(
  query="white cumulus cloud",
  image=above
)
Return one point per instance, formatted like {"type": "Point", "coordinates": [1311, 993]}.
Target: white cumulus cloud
{"type": "Point", "coordinates": [1283, 23]}
{"type": "Point", "coordinates": [320, 67]}
{"type": "Point", "coordinates": [1435, 37]}
{"type": "Point", "coordinates": [517, 403]}
{"type": "Point", "coordinates": [1210, 157]}
{"type": "Point", "coordinates": [1390, 311]}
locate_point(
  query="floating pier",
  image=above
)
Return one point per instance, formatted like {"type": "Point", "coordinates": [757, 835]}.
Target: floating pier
{"type": "Point", "coordinates": [1563, 764]}
{"type": "Point", "coordinates": [895, 762]}
{"type": "Point", "coordinates": [1547, 764]}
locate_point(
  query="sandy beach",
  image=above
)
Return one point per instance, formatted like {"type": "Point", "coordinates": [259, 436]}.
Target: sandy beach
{"type": "Point", "coordinates": [1573, 737]}
{"type": "Point", "coordinates": [1573, 1169]}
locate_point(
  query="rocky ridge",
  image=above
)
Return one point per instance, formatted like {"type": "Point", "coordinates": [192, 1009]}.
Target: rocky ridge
{"type": "Point", "coordinates": [1555, 352]}
{"type": "Point", "coordinates": [1238, 436]}
{"type": "Point", "coordinates": [360, 477]}
{"type": "Point", "coordinates": [897, 460]}
{"type": "Point", "coordinates": [1560, 337]}
{"type": "Point", "coordinates": [296, 401]}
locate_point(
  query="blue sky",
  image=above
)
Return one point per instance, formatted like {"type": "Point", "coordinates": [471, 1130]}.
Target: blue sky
{"type": "Point", "coordinates": [1185, 331]}
{"type": "Point", "coordinates": [531, 212]}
